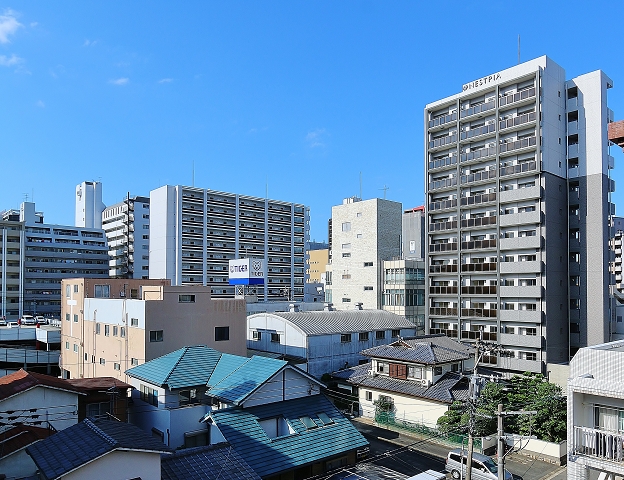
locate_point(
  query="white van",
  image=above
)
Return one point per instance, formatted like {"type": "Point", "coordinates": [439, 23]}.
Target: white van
{"type": "Point", "coordinates": [483, 467]}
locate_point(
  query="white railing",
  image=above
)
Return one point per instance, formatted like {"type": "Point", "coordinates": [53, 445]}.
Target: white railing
{"type": "Point", "coordinates": [598, 443]}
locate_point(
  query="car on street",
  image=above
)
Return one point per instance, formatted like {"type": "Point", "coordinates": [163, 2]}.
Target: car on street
{"type": "Point", "coordinates": [27, 320]}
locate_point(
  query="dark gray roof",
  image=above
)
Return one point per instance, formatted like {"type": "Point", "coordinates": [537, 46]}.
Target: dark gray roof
{"type": "Point", "coordinates": [426, 349]}
{"type": "Point", "coordinates": [343, 321]}
{"type": "Point", "coordinates": [449, 388]}
{"type": "Point", "coordinates": [213, 462]}
{"type": "Point", "coordinates": [68, 449]}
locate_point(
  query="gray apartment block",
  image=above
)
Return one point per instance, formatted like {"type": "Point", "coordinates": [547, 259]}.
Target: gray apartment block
{"type": "Point", "coordinates": [414, 233]}
{"type": "Point", "coordinates": [518, 205]}
{"type": "Point", "coordinates": [364, 233]}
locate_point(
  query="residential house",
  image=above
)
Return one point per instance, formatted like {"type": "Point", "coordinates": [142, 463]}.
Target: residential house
{"type": "Point", "coordinates": [324, 341]}
{"type": "Point", "coordinates": [105, 397]}
{"type": "Point", "coordinates": [98, 449]}
{"type": "Point", "coordinates": [412, 379]}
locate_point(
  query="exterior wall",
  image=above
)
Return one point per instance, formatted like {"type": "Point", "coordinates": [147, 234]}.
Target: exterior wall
{"type": "Point", "coordinates": [286, 385]}
{"type": "Point", "coordinates": [120, 465]}
{"type": "Point", "coordinates": [18, 465]}
{"type": "Point", "coordinates": [414, 233]}
{"type": "Point", "coordinates": [11, 269]}
{"type": "Point", "coordinates": [316, 264]}
{"type": "Point", "coordinates": [293, 342]}
{"type": "Point", "coordinates": [89, 205]}
{"type": "Point", "coordinates": [404, 290]}
{"type": "Point", "coordinates": [56, 406]}
{"type": "Point", "coordinates": [374, 235]}
{"type": "Point", "coordinates": [195, 232]}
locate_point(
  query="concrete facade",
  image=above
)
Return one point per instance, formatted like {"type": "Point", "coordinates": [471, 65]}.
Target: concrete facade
{"type": "Point", "coordinates": [363, 235]}
{"type": "Point", "coordinates": [89, 205]}
{"type": "Point", "coordinates": [414, 233]}
{"type": "Point", "coordinates": [105, 336]}
{"type": "Point", "coordinates": [11, 269]}
{"type": "Point", "coordinates": [404, 290]}
{"type": "Point", "coordinates": [515, 164]}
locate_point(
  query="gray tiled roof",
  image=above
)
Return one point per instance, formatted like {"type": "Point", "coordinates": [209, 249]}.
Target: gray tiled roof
{"type": "Point", "coordinates": [426, 349]}
{"type": "Point", "coordinates": [450, 387]}
{"type": "Point", "coordinates": [343, 321]}
{"type": "Point", "coordinates": [81, 443]}
{"type": "Point", "coordinates": [213, 462]}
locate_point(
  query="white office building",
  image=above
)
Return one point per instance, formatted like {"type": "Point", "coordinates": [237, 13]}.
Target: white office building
{"type": "Point", "coordinates": [518, 204]}
{"type": "Point", "coordinates": [89, 205]}
{"type": "Point", "coordinates": [194, 232]}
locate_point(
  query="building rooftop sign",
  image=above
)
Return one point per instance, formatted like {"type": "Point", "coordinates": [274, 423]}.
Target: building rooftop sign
{"type": "Point", "coordinates": [247, 271]}
{"type": "Point", "coordinates": [481, 81]}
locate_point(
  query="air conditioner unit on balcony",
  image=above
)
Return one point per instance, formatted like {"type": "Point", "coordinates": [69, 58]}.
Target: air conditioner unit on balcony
{"type": "Point", "coordinates": [425, 382]}
{"type": "Point", "coordinates": [490, 122]}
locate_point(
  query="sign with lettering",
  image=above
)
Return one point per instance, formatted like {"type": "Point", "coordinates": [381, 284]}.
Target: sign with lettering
{"type": "Point", "coordinates": [247, 271]}
{"type": "Point", "coordinates": [481, 81]}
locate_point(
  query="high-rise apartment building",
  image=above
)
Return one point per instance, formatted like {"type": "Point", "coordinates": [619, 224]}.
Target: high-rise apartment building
{"type": "Point", "coordinates": [364, 233]}
{"type": "Point", "coordinates": [11, 268]}
{"type": "Point", "coordinates": [194, 232]}
{"type": "Point", "coordinates": [518, 205]}
{"type": "Point", "coordinates": [414, 233]}
{"type": "Point", "coordinates": [89, 205]}
{"type": "Point", "coordinates": [127, 231]}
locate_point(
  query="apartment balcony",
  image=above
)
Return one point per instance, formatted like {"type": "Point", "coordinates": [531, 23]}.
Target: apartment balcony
{"type": "Point", "coordinates": [521, 365]}
{"type": "Point", "coordinates": [574, 268]}
{"type": "Point", "coordinates": [443, 311]}
{"type": "Point", "coordinates": [478, 222]}
{"type": "Point", "coordinates": [443, 120]}
{"type": "Point", "coordinates": [523, 316]}
{"type": "Point", "coordinates": [521, 144]}
{"type": "Point", "coordinates": [442, 183]}
{"type": "Point", "coordinates": [529, 291]}
{"type": "Point", "coordinates": [442, 141]}
{"type": "Point", "coordinates": [512, 98]}
{"type": "Point", "coordinates": [478, 267]}
{"type": "Point", "coordinates": [534, 241]}
{"type": "Point", "coordinates": [573, 128]}
{"type": "Point", "coordinates": [598, 444]}
{"type": "Point", "coordinates": [443, 247]}
{"type": "Point", "coordinates": [449, 268]}
{"type": "Point", "coordinates": [478, 177]}
{"type": "Point", "coordinates": [520, 120]}
{"type": "Point", "coordinates": [443, 290]}
{"type": "Point", "coordinates": [442, 226]}
{"type": "Point", "coordinates": [478, 199]}
{"type": "Point", "coordinates": [477, 109]}
{"type": "Point", "coordinates": [477, 132]}
{"type": "Point", "coordinates": [573, 150]}
{"type": "Point", "coordinates": [523, 167]}
{"type": "Point", "coordinates": [531, 341]}
{"type": "Point", "coordinates": [443, 331]}
{"type": "Point", "coordinates": [575, 315]}
{"type": "Point", "coordinates": [479, 312]}
{"type": "Point", "coordinates": [443, 162]}
{"type": "Point", "coordinates": [518, 194]}
{"type": "Point", "coordinates": [521, 267]}
{"type": "Point", "coordinates": [478, 290]}
{"type": "Point", "coordinates": [472, 335]}
{"type": "Point", "coordinates": [478, 154]}
{"type": "Point", "coordinates": [443, 205]}
{"type": "Point", "coordinates": [574, 244]}
{"type": "Point", "coordinates": [522, 218]}
{"type": "Point", "coordinates": [572, 104]}
{"type": "Point", "coordinates": [479, 244]}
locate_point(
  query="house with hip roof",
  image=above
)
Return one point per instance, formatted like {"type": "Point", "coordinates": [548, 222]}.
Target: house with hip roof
{"type": "Point", "coordinates": [413, 379]}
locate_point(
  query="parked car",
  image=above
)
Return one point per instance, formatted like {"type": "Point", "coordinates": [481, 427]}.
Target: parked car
{"type": "Point", "coordinates": [13, 325]}
{"type": "Point", "coordinates": [483, 467]}
{"type": "Point", "coordinates": [27, 320]}
{"type": "Point", "coordinates": [3, 321]}
{"type": "Point", "coordinates": [40, 319]}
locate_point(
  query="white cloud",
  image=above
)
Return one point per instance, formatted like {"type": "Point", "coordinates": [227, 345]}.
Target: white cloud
{"type": "Point", "coordinates": [316, 137]}
{"type": "Point", "coordinates": [89, 43]}
{"type": "Point", "coordinates": [165, 80]}
{"type": "Point", "coordinates": [119, 81]}
{"type": "Point", "coordinates": [8, 25]}
{"type": "Point", "coordinates": [10, 61]}
{"type": "Point", "coordinates": [40, 104]}
{"type": "Point", "coordinates": [33, 24]}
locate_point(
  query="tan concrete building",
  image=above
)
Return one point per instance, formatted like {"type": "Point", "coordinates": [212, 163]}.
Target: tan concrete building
{"type": "Point", "coordinates": [111, 325]}
{"type": "Point", "coordinates": [316, 265]}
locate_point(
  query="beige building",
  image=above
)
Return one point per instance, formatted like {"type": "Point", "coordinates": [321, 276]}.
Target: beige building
{"type": "Point", "coordinates": [111, 325]}
{"type": "Point", "coordinates": [316, 265]}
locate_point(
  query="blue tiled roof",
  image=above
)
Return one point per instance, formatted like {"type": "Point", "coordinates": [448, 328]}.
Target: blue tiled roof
{"type": "Point", "coordinates": [268, 456]}
{"type": "Point", "coordinates": [245, 379]}
{"type": "Point", "coordinates": [186, 367]}
{"type": "Point", "coordinates": [226, 365]}
{"type": "Point", "coordinates": [215, 462]}
{"type": "Point", "coordinates": [81, 443]}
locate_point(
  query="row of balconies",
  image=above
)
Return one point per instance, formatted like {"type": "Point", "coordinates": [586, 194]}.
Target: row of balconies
{"type": "Point", "coordinates": [512, 316]}
{"type": "Point", "coordinates": [505, 267]}
{"type": "Point", "coordinates": [529, 291]}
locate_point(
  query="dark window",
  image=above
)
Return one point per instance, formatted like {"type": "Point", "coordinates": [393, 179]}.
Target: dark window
{"type": "Point", "coordinates": [156, 335]}
{"type": "Point", "coordinates": [396, 333]}
{"type": "Point", "coordinates": [186, 298]}
{"type": "Point", "coordinates": [222, 333]}
{"type": "Point", "coordinates": [275, 337]}
{"type": "Point", "coordinates": [437, 370]}
{"type": "Point", "coordinates": [107, 330]}
{"type": "Point", "coordinates": [368, 264]}
{"type": "Point", "coordinates": [149, 395]}
{"type": "Point", "coordinates": [345, 337]}
{"type": "Point", "coordinates": [102, 291]}
{"type": "Point", "coordinates": [380, 334]}
{"type": "Point", "coordinates": [363, 336]}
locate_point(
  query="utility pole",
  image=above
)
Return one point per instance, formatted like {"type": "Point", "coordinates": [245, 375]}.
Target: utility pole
{"type": "Point", "coordinates": [501, 436]}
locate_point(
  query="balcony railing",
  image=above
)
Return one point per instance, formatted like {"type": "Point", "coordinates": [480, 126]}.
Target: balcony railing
{"type": "Point", "coordinates": [443, 268]}
{"type": "Point", "coordinates": [518, 144]}
{"type": "Point", "coordinates": [442, 120]}
{"type": "Point", "coordinates": [447, 332]}
{"type": "Point", "coordinates": [440, 226]}
{"type": "Point", "coordinates": [442, 183]}
{"type": "Point", "coordinates": [479, 290]}
{"type": "Point", "coordinates": [478, 222]}
{"type": "Point", "coordinates": [519, 120]}
{"type": "Point", "coordinates": [475, 132]}
{"type": "Point", "coordinates": [478, 177]}
{"type": "Point", "coordinates": [443, 162]}
{"type": "Point", "coordinates": [479, 267]}
{"type": "Point", "coordinates": [476, 154]}
{"type": "Point", "coordinates": [443, 247]}
{"type": "Point", "coordinates": [479, 312]}
{"type": "Point", "coordinates": [516, 97]}
{"type": "Point", "coordinates": [471, 335]}
{"type": "Point", "coordinates": [441, 141]}
{"type": "Point", "coordinates": [478, 199]}
{"type": "Point", "coordinates": [519, 168]}
{"type": "Point", "coordinates": [443, 290]}
{"type": "Point", "coordinates": [476, 244]}
{"type": "Point", "coordinates": [446, 311]}
{"type": "Point", "coordinates": [598, 443]}
{"type": "Point", "coordinates": [442, 204]}
{"type": "Point", "coordinates": [484, 107]}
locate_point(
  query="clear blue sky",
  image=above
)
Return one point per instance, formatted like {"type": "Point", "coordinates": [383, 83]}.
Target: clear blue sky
{"type": "Point", "coordinates": [300, 95]}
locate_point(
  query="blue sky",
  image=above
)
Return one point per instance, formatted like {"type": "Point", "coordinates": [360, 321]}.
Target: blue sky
{"type": "Point", "coordinates": [302, 96]}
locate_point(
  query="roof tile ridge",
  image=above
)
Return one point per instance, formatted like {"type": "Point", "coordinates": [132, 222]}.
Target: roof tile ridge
{"type": "Point", "coordinates": [97, 430]}
{"type": "Point", "coordinates": [176, 364]}
{"type": "Point", "coordinates": [232, 372]}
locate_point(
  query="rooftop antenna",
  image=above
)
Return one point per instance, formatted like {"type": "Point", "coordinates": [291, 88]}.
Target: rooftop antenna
{"type": "Point", "coordinates": [360, 184]}
{"type": "Point", "coordinates": [193, 172]}
{"type": "Point", "coordinates": [518, 49]}
{"type": "Point", "coordinates": [385, 189]}
{"type": "Point", "coordinates": [25, 195]}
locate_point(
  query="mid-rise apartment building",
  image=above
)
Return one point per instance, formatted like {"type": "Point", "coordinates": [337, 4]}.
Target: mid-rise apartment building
{"type": "Point", "coordinates": [518, 204]}
{"type": "Point", "coordinates": [404, 290]}
{"type": "Point", "coordinates": [127, 231]}
{"type": "Point", "coordinates": [414, 233]}
{"type": "Point", "coordinates": [194, 232]}
{"type": "Point", "coordinates": [11, 268]}
{"type": "Point", "coordinates": [110, 325]}
{"type": "Point", "coordinates": [44, 256]}
{"type": "Point", "coordinates": [364, 233]}
{"type": "Point", "coordinates": [89, 205]}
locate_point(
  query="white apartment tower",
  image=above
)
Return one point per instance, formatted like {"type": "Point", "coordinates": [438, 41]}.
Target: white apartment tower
{"type": "Point", "coordinates": [363, 235]}
{"type": "Point", "coordinates": [89, 205]}
{"type": "Point", "coordinates": [518, 206]}
{"type": "Point", "coordinates": [127, 231]}
{"type": "Point", "coordinates": [194, 232]}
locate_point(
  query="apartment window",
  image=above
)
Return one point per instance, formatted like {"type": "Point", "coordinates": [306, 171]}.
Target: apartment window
{"type": "Point", "coordinates": [358, 214]}
{"type": "Point", "coordinates": [98, 410]}
{"type": "Point", "coordinates": [186, 298]}
{"type": "Point", "coordinates": [156, 335]}
{"type": "Point", "coordinates": [67, 317]}
{"type": "Point", "coordinates": [437, 370]}
{"type": "Point", "coordinates": [107, 330]}
{"type": "Point", "coordinates": [86, 357]}
{"type": "Point", "coordinates": [117, 366]}
{"type": "Point", "coordinates": [145, 237]}
{"type": "Point", "coordinates": [383, 367]}
{"type": "Point", "coordinates": [368, 288]}
{"type": "Point", "coordinates": [346, 246]}
{"type": "Point", "coordinates": [368, 264]}
{"type": "Point", "coordinates": [134, 322]}
{"type": "Point", "coordinates": [149, 395]}
{"type": "Point", "coordinates": [363, 336]}
{"type": "Point", "coordinates": [75, 347]}
{"type": "Point", "coordinates": [275, 337]}
{"type": "Point", "coordinates": [346, 300]}
{"type": "Point", "coordinates": [122, 332]}
{"type": "Point", "coordinates": [75, 318]}
{"type": "Point", "coordinates": [115, 331]}
{"type": "Point", "coordinates": [345, 338]}
{"type": "Point", "coordinates": [102, 291]}
{"type": "Point", "coordinates": [369, 396]}
{"type": "Point", "coordinates": [346, 226]}
{"type": "Point", "coordinates": [68, 291]}
{"type": "Point", "coordinates": [529, 356]}
{"type": "Point", "coordinates": [75, 288]}
{"type": "Point", "coordinates": [222, 334]}
{"type": "Point", "coordinates": [134, 361]}
{"type": "Point", "coordinates": [359, 235]}
{"type": "Point", "coordinates": [414, 372]}
{"type": "Point", "coordinates": [92, 358]}
{"type": "Point", "coordinates": [380, 334]}
{"type": "Point", "coordinates": [455, 367]}
{"type": "Point", "coordinates": [102, 361]}
{"type": "Point", "coordinates": [396, 333]}
{"type": "Point", "coordinates": [346, 255]}
{"type": "Point", "coordinates": [97, 328]}
{"type": "Point", "coordinates": [134, 293]}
